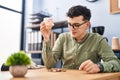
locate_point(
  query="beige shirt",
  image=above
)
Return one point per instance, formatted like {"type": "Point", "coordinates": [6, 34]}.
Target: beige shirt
{"type": "Point", "coordinates": [93, 47]}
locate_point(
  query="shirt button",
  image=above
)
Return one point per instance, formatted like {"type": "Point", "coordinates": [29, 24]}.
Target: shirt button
{"type": "Point", "coordinates": [73, 63]}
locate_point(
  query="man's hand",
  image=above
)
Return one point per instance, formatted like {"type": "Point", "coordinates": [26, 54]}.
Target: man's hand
{"type": "Point", "coordinates": [45, 28]}
{"type": "Point", "coordinates": [89, 67]}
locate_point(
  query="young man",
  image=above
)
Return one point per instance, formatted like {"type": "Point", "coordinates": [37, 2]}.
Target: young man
{"type": "Point", "coordinates": [78, 49]}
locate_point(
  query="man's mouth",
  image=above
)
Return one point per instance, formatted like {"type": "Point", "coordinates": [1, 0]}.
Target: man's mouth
{"type": "Point", "coordinates": [73, 33]}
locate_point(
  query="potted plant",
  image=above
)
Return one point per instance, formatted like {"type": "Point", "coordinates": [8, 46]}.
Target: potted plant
{"type": "Point", "coordinates": [18, 62]}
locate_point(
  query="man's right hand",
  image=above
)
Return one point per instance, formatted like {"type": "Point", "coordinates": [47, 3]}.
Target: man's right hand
{"type": "Point", "coordinates": [45, 28]}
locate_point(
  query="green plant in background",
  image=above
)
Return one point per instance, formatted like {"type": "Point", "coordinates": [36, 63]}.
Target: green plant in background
{"type": "Point", "coordinates": [18, 58]}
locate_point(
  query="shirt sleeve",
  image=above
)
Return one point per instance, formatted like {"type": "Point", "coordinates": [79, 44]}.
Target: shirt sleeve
{"type": "Point", "coordinates": [50, 55]}
{"type": "Point", "coordinates": [110, 61]}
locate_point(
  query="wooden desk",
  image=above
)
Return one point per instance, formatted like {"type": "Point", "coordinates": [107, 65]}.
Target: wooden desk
{"type": "Point", "coordinates": [43, 74]}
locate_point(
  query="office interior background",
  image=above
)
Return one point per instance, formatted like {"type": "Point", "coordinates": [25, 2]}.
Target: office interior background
{"type": "Point", "coordinates": [10, 21]}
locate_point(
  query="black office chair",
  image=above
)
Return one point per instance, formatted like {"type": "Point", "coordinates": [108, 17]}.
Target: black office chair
{"type": "Point", "coordinates": [4, 67]}
{"type": "Point", "coordinates": [117, 53]}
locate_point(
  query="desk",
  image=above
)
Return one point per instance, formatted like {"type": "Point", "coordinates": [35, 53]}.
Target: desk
{"type": "Point", "coordinates": [43, 74]}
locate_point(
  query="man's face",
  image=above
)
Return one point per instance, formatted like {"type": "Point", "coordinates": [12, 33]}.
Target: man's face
{"type": "Point", "coordinates": [77, 26]}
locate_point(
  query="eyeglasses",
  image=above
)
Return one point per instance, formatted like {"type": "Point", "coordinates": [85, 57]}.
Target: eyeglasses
{"type": "Point", "coordinates": [76, 25]}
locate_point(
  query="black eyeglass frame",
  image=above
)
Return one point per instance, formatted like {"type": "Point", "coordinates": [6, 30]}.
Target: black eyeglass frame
{"type": "Point", "coordinates": [76, 25]}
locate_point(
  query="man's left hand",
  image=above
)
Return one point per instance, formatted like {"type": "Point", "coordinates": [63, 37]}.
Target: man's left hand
{"type": "Point", "coordinates": [89, 67]}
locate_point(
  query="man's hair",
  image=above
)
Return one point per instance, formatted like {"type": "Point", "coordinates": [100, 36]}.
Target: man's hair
{"type": "Point", "coordinates": [79, 10]}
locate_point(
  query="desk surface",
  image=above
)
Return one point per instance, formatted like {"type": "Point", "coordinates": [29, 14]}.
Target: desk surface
{"type": "Point", "coordinates": [43, 74]}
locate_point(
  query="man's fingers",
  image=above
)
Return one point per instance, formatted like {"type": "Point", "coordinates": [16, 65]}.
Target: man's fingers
{"type": "Point", "coordinates": [84, 64]}
{"type": "Point", "coordinates": [88, 65]}
{"type": "Point", "coordinates": [92, 69]}
{"type": "Point", "coordinates": [88, 69]}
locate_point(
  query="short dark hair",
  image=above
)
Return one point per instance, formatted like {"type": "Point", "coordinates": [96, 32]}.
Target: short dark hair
{"type": "Point", "coordinates": [79, 11]}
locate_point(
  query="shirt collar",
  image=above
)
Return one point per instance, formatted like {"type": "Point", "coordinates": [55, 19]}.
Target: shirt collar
{"type": "Point", "coordinates": [86, 36]}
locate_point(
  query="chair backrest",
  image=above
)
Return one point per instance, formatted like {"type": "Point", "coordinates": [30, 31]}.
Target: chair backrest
{"type": "Point", "coordinates": [4, 67]}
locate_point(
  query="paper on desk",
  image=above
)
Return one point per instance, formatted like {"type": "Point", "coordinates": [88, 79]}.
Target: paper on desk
{"type": "Point", "coordinates": [35, 66]}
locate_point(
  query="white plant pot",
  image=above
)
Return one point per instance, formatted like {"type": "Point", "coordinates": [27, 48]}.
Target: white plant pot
{"type": "Point", "coordinates": [18, 70]}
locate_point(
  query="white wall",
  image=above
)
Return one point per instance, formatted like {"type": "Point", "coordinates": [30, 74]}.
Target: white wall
{"type": "Point", "coordinates": [100, 13]}
{"type": "Point", "coordinates": [10, 23]}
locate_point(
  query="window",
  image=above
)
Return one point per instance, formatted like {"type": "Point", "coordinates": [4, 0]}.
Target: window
{"type": "Point", "coordinates": [10, 27]}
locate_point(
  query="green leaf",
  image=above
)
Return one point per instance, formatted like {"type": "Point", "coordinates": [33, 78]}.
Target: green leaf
{"type": "Point", "coordinates": [18, 58]}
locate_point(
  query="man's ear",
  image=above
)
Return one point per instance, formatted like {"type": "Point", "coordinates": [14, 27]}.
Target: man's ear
{"type": "Point", "coordinates": [88, 24]}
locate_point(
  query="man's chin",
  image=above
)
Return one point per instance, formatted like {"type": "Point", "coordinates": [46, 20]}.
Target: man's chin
{"type": "Point", "coordinates": [73, 36]}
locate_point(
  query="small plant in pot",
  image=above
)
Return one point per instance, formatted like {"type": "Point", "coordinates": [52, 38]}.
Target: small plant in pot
{"type": "Point", "coordinates": [18, 63]}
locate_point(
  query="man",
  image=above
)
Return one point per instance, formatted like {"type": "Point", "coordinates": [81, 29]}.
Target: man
{"type": "Point", "coordinates": [78, 49]}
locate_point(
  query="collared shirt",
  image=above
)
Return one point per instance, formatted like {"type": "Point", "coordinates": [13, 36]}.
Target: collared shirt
{"type": "Point", "coordinates": [72, 53]}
